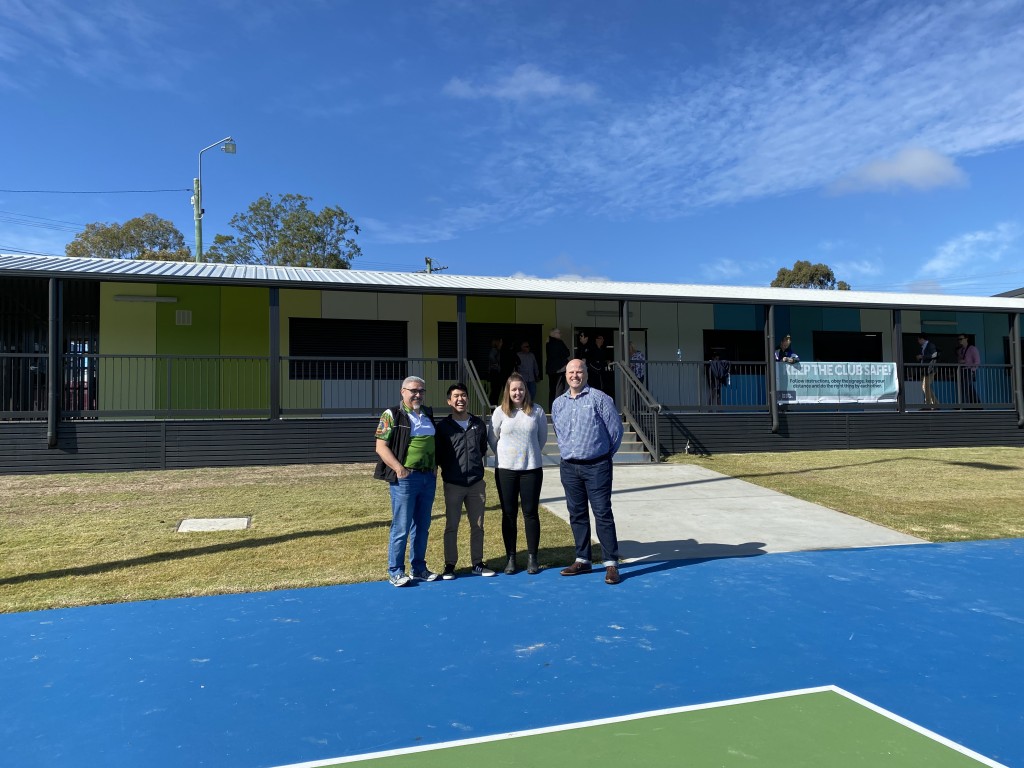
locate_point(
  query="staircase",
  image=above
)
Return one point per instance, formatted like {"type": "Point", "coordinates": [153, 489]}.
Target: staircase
{"type": "Point", "coordinates": [632, 450]}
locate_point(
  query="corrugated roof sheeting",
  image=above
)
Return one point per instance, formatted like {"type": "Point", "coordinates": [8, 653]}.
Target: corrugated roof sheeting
{"type": "Point", "coordinates": [307, 277]}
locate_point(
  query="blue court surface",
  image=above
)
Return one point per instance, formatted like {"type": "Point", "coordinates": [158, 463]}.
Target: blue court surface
{"type": "Point", "coordinates": [932, 633]}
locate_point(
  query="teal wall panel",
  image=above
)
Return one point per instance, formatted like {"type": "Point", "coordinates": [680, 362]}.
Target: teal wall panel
{"type": "Point", "coordinates": [841, 318]}
{"type": "Point", "coordinates": [738, 317]}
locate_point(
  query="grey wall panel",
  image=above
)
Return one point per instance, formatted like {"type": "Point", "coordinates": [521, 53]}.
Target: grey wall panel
{"type": "Point", "coordinates": [120, 446]}
{"type": "Point", "coordinates": [751, 432]}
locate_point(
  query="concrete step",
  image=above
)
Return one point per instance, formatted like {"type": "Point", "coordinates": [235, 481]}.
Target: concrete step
{"type": "Point", "coordinates": [632, 450]}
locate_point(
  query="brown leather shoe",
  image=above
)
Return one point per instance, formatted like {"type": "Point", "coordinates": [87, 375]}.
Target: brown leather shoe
{"type": "Point", "coordinates": [576, 569]}
{"type": "Point", "coordinates": [611, 575]}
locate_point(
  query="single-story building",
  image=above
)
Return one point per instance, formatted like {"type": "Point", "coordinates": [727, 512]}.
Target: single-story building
{"type": "Point", "coordinates": [132, 364]}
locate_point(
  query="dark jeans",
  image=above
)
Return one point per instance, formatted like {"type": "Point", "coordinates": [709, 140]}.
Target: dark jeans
{"type": "Point", "coordinates": [517, 488]}
{"type": "Point", "coordinates": [591, 483]}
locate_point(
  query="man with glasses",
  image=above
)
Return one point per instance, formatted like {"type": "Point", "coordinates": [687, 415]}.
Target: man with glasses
{"type": "Point", "coordinates": [405, 446]}
{"type": "Point", "coordinates": [969, 358]}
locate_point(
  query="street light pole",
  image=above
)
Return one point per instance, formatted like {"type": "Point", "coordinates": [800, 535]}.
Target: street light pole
{"type": "Point", "coordinates": [227, 145]}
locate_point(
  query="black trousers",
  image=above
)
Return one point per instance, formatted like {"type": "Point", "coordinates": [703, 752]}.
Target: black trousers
{"type": "Point", "coordinates": [519, 488]}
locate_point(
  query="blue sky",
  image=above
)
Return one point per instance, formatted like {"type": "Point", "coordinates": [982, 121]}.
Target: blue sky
{"type": "Point", "coordinates": [691, 141]}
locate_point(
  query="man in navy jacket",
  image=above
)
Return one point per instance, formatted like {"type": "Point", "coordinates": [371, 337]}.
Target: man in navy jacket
{"type": "Point", "coordinates": [461, 450]}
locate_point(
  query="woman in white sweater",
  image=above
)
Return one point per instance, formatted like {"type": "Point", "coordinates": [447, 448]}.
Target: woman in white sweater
{"type": "Point", "coordinates": [518, 432]}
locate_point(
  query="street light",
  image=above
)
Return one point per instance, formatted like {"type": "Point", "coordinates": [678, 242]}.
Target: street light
{"type": "Point", "coordinates": [227, 145]}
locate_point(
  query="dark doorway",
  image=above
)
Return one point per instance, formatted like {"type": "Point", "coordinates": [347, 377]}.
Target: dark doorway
{"type": "Point", "coordinates": [479, 341]}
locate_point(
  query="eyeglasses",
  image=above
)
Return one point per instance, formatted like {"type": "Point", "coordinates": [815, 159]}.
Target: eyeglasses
{"type": "Point", "coordinates": [414, 391]}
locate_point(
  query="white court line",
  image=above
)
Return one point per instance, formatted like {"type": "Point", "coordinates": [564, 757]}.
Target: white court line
{"type": "Point", "coordinates": [643, 715]}
{"type": "Point", "coordinates": [920, 729]}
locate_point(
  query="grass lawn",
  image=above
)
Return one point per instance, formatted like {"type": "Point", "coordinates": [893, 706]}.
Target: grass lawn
{"type": "Point", "coordinates": [80, 539]}
{"type": "Point", "coordinates": [938, 494]}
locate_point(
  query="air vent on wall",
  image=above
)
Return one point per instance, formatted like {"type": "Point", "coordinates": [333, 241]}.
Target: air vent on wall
{"type": "Point", "coordinates": [183, 317]}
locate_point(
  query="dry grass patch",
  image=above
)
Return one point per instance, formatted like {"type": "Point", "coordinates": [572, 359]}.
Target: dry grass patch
{"type": "Point", "coordinates": [937, 494]}
{"type": "Point", "coordinates": [98, 538]}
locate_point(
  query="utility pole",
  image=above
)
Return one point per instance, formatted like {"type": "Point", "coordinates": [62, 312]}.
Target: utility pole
{"type": "Point", "coordinates": [430, 266]}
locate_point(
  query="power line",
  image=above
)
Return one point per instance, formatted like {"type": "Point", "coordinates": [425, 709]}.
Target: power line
{"type": "Point", "coordinates": [9, 249]}
{"type": "Point", "coordinates": [89, 191]}
{"type": "Point", "coordinates": [40, 222]}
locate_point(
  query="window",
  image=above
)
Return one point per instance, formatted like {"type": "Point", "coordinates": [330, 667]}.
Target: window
{"type": "Point", "coordinates": [737, 346]}
{"type": "Point", "coordinates": [845, 347]}
{"type": "Point", "coordinates": [345, 346]}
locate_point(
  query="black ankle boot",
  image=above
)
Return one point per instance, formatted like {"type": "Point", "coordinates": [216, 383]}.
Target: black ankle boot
{"type": "Point", "coordinates": [531, 564]}
{"type": "Point", "coordinates": [510, 566]}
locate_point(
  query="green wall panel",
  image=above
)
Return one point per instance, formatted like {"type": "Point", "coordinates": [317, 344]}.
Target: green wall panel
{"type": "Point", "coordinates": [490, 310]}
{"type": "Point", "coordinates": [436, 309]}
{"type": "Point", "coordinates": [244, 332]}
{"type": "Point", "coordinates": [127, 329]}
{"type": "Point", "coordinates": [192, 383]}
{"type": "Point", "coordinates": [298, 303]}
{"type": "Point", "coordinates": [244, 321]}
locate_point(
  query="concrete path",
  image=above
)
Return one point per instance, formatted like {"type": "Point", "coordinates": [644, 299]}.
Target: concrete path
{"type": "Point", "coordinates": [684, 511]}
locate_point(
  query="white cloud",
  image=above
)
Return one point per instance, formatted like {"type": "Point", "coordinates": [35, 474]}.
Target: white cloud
{"type": "Point", "coordinates": [125, 43]}
{"type": "Point", "coordinates": [846, 85]}
{"type": "Point", "coordinates": [914, 167]}
{"type": "Point", "coordinates": [724, 270]}
{"type": "Point", "coordinates": [527, 82]}
{"type": "Point", "coordinates": [967, 251]}
{"type": "Point", "coordinates": [862, 267]}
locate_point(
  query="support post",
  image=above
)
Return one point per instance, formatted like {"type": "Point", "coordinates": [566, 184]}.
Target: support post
{"type": "Point", "coordinates": [461, 346]}
{"type": "Point", "coordinates": [275, 353]}
{"type": "Point", "coordinates": [897, 354]}
{"type": "Point", "coordinates": [769, 356]}
{"type": "Point", "coordinates": [1015, 363]}
{"type": "Point", "coordinates": [55, 375]}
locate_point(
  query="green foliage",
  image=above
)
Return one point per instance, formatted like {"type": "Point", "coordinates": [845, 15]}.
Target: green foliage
{"type": "Point", "coordinates": [285, 232]}
{"type": "Point", "coordinates": [807, 275]}
{"type": "Point", "coordinates": [144, 237]}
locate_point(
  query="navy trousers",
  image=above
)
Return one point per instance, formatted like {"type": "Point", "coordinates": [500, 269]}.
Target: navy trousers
{"type": "Point", "coordinates": [590, 484]}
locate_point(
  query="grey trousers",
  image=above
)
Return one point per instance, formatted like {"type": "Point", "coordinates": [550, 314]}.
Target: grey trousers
{"type": "Point", "coordinates": [474, 498]}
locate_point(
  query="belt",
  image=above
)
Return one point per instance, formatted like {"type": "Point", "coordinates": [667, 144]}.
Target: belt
{"type": "Point", "coordinates": [595, 460]}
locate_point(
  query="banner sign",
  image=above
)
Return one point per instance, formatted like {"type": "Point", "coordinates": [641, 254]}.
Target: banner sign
{"type": "Point", "coordinates": [836, 382]}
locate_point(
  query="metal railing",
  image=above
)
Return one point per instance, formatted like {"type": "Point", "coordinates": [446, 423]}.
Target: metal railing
{"type": "Point", "coordinates": [988, 387]}
{"type": "Point", "coordinates": [335, 386]}
{"type": "Point", "coordinates": [165, 386]}
{"type": "Point", "coordinates": [23, 378]}
{"type": "Point", "coordinates": [639, 409]}
{"type": "Point", "coordinates": [212, 386]}
{"type": "Point", "coordinates": [690, 385]}
{"type": "Point", "coordinates": [479, 402]}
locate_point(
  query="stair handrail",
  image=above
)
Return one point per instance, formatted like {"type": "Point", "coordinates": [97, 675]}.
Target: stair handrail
{"type": "Point", "coordinates": [476, 387]}
{"type": "Point", "coordinates": [637, 405]}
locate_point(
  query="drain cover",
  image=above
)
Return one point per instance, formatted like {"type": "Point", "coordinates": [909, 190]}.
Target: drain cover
{"type": "Point", "coordinates": [213, 524]}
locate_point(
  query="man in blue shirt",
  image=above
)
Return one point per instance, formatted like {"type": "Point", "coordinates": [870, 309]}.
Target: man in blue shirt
{"type": "Point", "coordinates": [589, 431]}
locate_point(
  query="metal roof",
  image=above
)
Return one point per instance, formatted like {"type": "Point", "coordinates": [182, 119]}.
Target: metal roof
{"type": "Point", "coordinates": [478, 285]}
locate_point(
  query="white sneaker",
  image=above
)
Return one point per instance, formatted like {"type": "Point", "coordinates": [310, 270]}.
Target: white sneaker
{"type": "Point", "coordinates": [399, 579]}
{"type": "Point", "coordinates": [449, 572]}
{"type": "Point", "coordinates": [480, 569]}
{"type": "Point", "coordinates": [425, 575]}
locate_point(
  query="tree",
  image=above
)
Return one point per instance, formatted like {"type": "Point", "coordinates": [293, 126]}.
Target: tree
{"type": "Point", "coordinates": [144, 237]}
{"type": "Point", "coordinates": [807, 275]}
{"type": "Point", "coordinates": [286, 232]}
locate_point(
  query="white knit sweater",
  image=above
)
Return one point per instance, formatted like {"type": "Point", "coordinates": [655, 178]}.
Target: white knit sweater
{"type": "Point", "coordinates": [518, 440]}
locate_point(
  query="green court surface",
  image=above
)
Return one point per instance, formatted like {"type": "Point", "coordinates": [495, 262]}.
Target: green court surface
{"type": "Point", "coordinates": [818, 727]}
